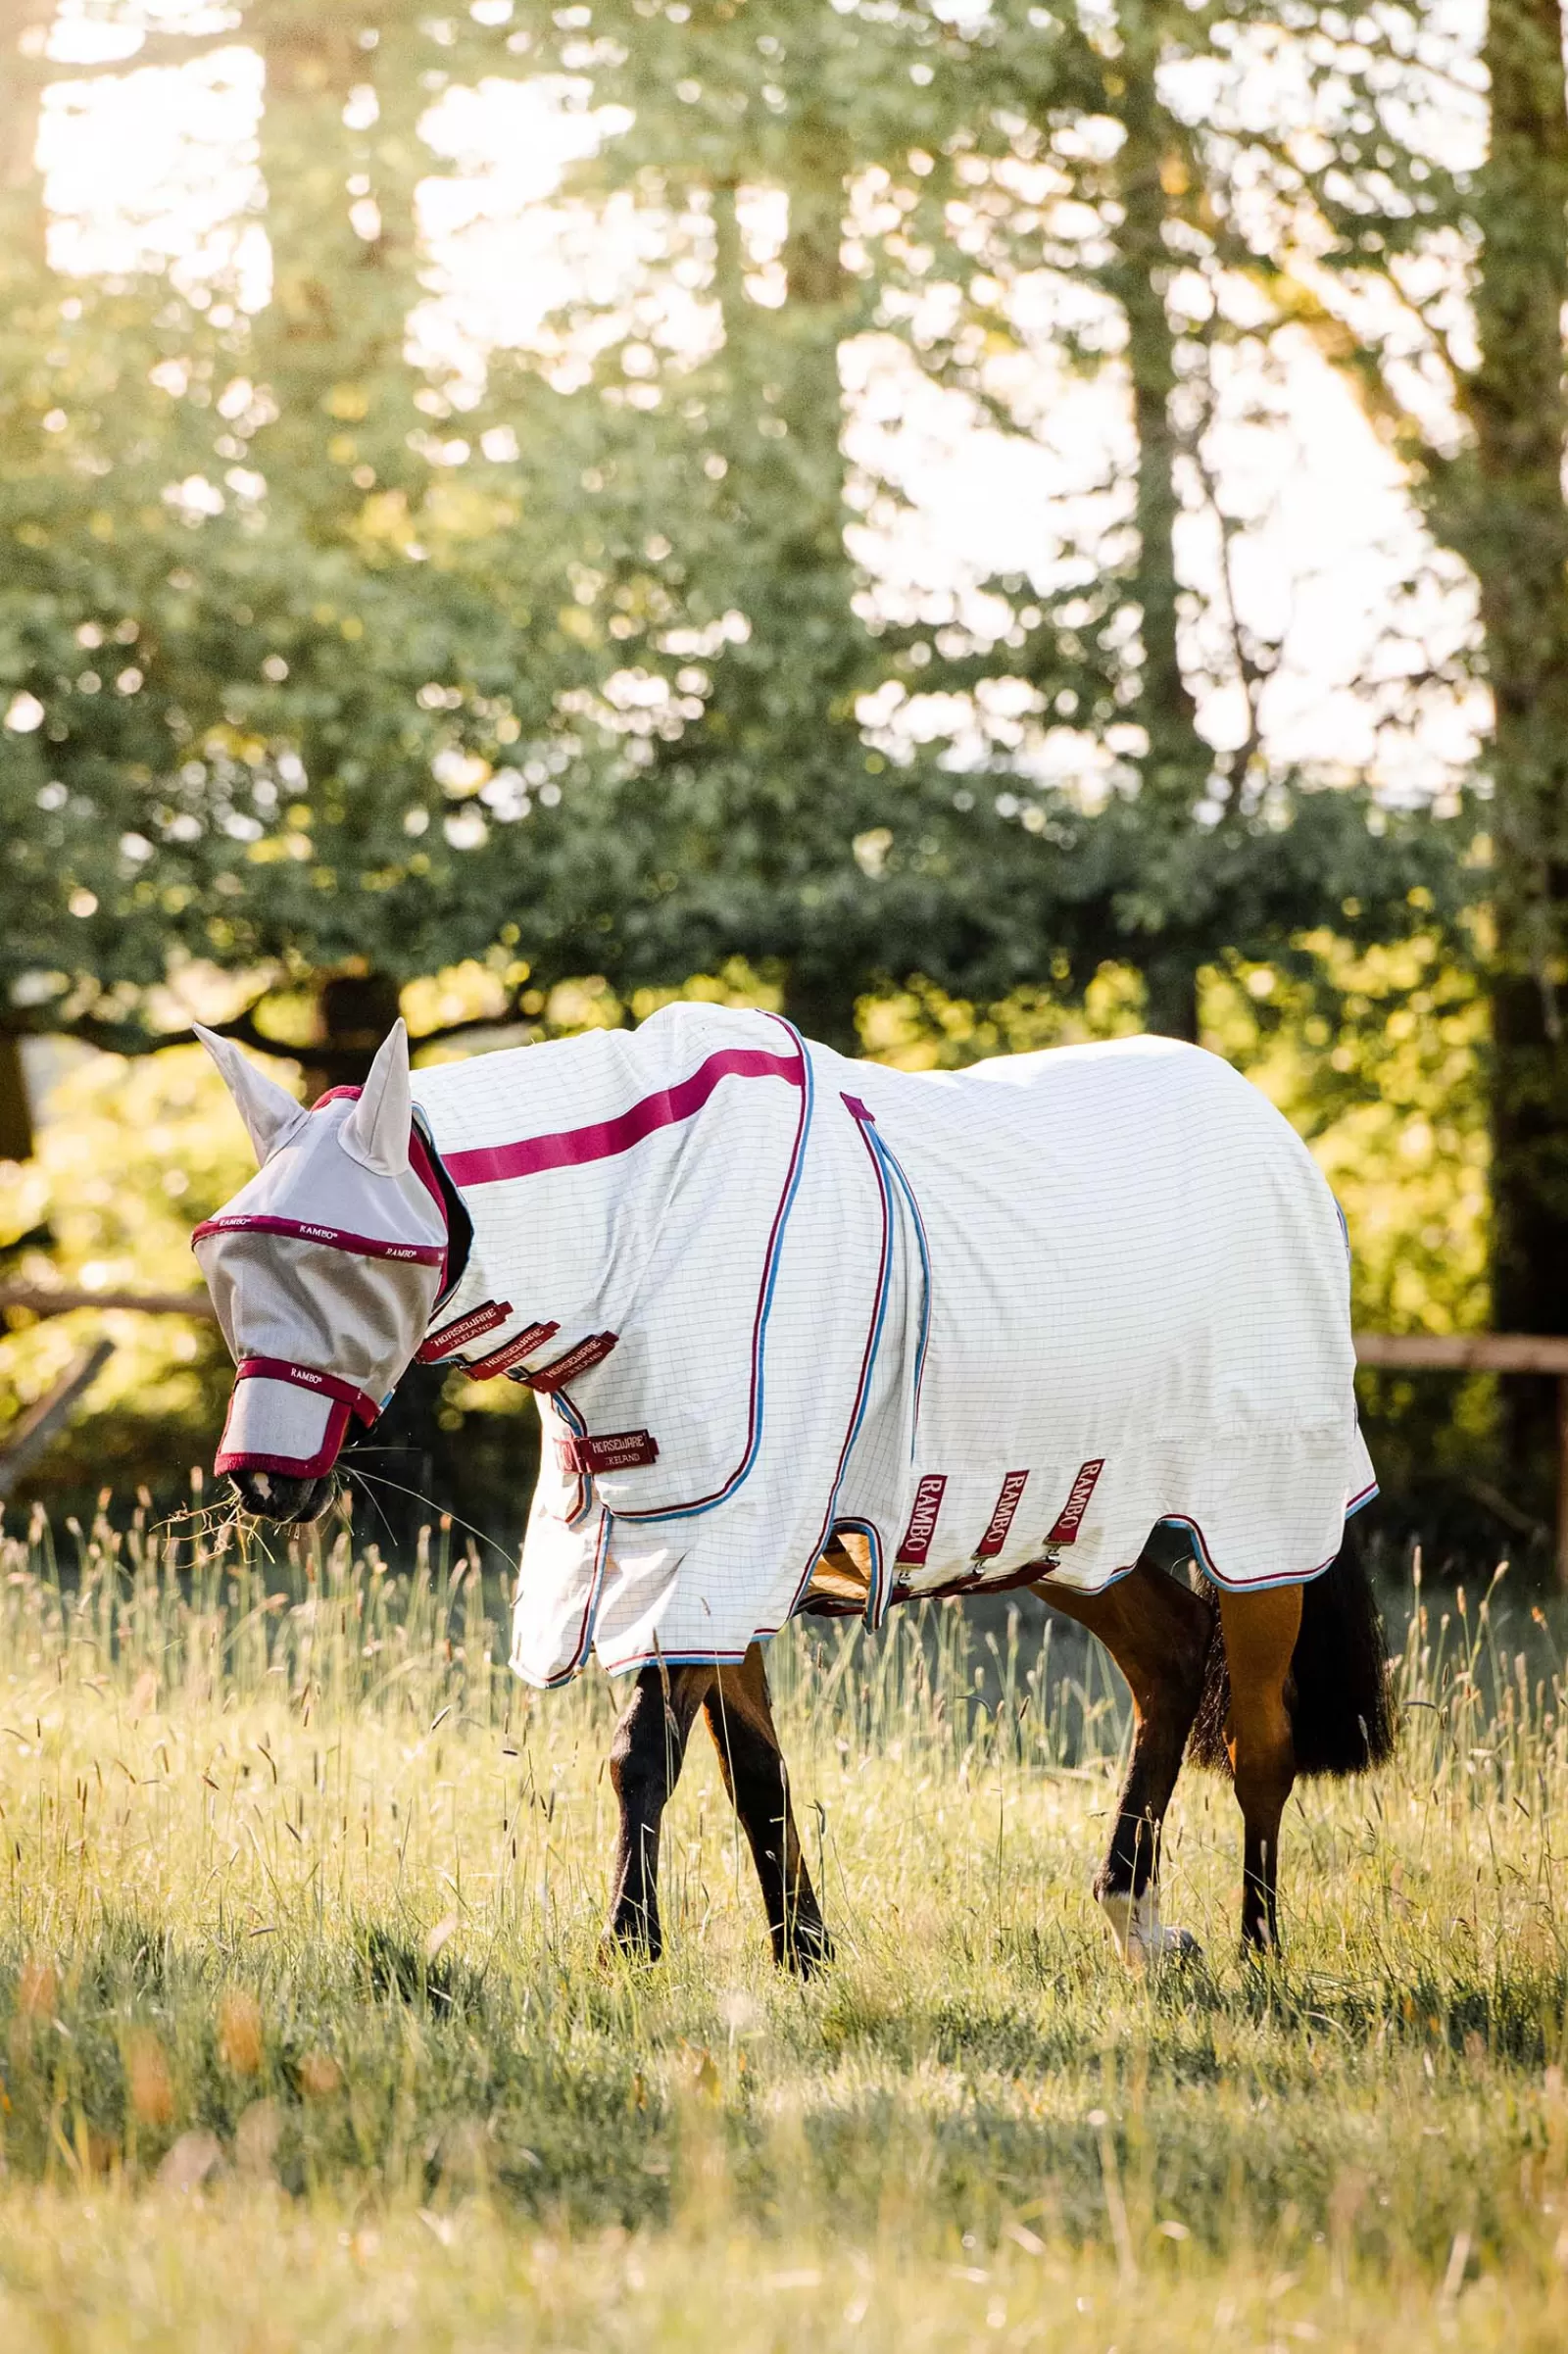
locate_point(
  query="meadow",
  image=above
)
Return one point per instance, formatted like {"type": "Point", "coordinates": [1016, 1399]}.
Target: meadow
{"type": "Point", "coordinates": [304, 2039]}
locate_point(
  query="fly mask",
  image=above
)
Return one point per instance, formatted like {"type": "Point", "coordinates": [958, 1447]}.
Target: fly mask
{"type": "Point", "coordinates": [324, 1271]}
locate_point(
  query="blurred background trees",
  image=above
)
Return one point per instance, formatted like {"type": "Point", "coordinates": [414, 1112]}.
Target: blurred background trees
{"type": "Point", "coordinates": [560, 507]}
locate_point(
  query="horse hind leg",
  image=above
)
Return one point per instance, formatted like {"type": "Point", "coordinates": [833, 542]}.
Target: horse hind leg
{"type": "Point", "coordinates": [1260, 1631]}
{"type": "Point", "coordinates": [1157, 1631]}
{"type": "Point", "coordinates": [740, 1718]}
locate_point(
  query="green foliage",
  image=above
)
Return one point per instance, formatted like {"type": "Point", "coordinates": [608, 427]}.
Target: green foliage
{"type": "Point", "coordinates": [390, 698]}
{"type": "Point", "coordinates": [230, 670]}
{"type": "Point", "coordinates": [947, 154]}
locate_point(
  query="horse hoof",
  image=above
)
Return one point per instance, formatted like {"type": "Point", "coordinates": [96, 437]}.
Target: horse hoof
{"type": "Point", "coordinates": [808, 1950]}
{"type": "Point", "coordinates": [629, 1949]}
{"type": "Point", "coordinates": [1164, 1946]}
{"type": "Point", "coordinates": [1142, 1938]}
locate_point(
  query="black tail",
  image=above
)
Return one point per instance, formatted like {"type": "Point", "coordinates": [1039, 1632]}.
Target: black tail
{"type": "Point", "coordinates": [1341, 1706]}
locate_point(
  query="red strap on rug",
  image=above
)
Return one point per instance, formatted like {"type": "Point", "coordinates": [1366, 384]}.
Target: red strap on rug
{"type": "Point", "coordinates": [614, 1451]}
{"type": "Point", "coordinates": [511, 1353]}
{"type": "Point", "coordinates": [1000, 1521]}
{"type": "Point", "coordinates": [587, 1354]}
{"type": "Point", "coordinates": [922, 1526]}
{"type": "Point", "coordinates": [457, 1335]}
{"type": "Point", "coordinates": [1065, 1531]}
{"type": "Point", "coordinates": [306, 1377]}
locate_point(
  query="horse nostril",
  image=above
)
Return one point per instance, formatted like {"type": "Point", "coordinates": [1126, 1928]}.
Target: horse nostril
{"type": "Point", "coordinates": [277, 1496]}
{"type": "Point", "coordinates": [262, 1495]}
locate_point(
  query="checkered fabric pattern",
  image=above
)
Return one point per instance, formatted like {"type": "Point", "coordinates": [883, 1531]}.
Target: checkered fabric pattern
{"type": "Point", "coordinates": [1008, 1316]}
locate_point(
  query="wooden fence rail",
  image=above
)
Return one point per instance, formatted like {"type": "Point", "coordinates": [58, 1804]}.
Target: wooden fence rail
{"type": "Point", "coordinates": [1394, 1353]}
{"type": "Point", "coordinates": [42, 1300]}
{"type": "Point", "coordinates": [1464, 1351]}
{"type": "Point", "coordinates": [1485, 1352]}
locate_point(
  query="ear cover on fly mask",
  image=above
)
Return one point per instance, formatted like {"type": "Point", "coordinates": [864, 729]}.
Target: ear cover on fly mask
{"type": "Point", "coordinates": [269, 1110]}
{"type": "Point", "coordinates": [376, 1131]}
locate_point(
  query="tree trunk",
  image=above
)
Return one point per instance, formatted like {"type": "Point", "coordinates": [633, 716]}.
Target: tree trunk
{"type": "Point", "coordinates": [1513, 530]}
{"type": "Point", "coordinates": [330, 342]}
{"type": "Point", "coordinates": [312, 65]}
{"type": "Point", "coordinates": [332, 345]}
{"type": "Point", "coordinates": [1177, 766]}
{"type": "Point", "coordinates": [787, 362]}
{"type": "Point", "coordinates": [821, 989]}
{"type": "Point", "coordinates": [17, 1141]}
{"type": "Point", "coordinates": [822, 1008]}
{"type": "Point", "coordinates": [23, 32]}
{"type": "Point", "coordinates": [23, 72]}
{"type": "Point", "coordinates": [355, 1012]}
{"type": "Point", "coordinates": [344, 278]}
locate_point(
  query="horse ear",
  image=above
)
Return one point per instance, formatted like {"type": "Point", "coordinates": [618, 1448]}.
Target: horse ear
{"type": "Point", "coordinates": [376, 1131]}
{"type": "Point", "coordinates": [268, 1111]}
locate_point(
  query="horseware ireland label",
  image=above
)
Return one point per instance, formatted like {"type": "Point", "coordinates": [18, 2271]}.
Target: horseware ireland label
{"type": "Point", "coordinates": [923, 1519]}
{"type": "Point", "coordinates": [464, 1329]}
{"type": "Point", "coordinates": [502, 1359]}
{"type": "Point", "coordinates": [587, 1354]}
{"type": "Point", "coordinates": [1077, 1504]}
{"type": "Point", "coordinates": [614, 1451]}
{"type": "Point", "coordinates": [996, 1536]}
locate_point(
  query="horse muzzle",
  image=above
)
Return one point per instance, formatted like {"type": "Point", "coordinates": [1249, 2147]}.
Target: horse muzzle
{"type": "Point", "coordinates": [283, 1497]}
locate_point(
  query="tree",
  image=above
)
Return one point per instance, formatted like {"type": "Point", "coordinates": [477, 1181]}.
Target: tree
{"type": "Point", "coordinates": [248, 687]}
{"type": "Point", "coordinates": [1470, 392]}
{"type": "Point", "coordinates": [746, 809]}
{"type": "Point", "coordinates": [1502, 509]}
{"type": "Point", "coordinates": [399, 700]}
{"type": "Point", "coordinates": [83, 731]}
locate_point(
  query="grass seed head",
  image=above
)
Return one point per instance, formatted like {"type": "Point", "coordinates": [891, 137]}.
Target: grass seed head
{"type": "Point", "coordinates": [239, 2031]}
{"type": "Point", "coordinates": [319, 2076]}
{"type": "Point", "coordinates": [38, 1990]}
{"type": "Point", "coordinates": [189, 2164]}
{"type": "Point", "coordinates": [150, 2085]}
{"type": "Point", "coordinates": [257, 2136]}
{"type": "Point", "coordinates": [37, 2004]}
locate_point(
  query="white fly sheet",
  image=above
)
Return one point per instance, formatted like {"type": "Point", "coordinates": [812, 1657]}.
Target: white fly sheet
{"type": "Point", "coordinates": [1006, 1317]}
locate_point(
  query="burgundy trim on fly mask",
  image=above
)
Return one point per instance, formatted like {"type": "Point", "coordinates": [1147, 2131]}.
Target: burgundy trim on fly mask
{"type": "Point", "coordinates": [361, 1245]}
{"type": "Point", "coordinates": [345, 1400]}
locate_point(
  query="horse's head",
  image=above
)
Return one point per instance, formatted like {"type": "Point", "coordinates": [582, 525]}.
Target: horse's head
{"type": "Point", "coordinates": [324, 1271]}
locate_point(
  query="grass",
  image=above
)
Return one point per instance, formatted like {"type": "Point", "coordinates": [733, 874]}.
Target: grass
{"type": "Point", "coordinates": [304, 2039]}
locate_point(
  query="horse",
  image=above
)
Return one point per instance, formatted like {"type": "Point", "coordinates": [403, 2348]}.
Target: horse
{"type": "Point", "coordinates": [1074, 1322]}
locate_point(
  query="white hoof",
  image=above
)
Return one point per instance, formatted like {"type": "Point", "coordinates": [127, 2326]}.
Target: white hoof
{"type": "Point", "coordinates": [1142, 1938]}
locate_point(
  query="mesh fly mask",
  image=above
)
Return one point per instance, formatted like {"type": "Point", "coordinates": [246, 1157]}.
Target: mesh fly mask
{"type": "Point", "coordinates": [324, 1268]}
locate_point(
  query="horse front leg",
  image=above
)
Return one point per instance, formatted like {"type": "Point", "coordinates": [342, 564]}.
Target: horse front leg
{"type": "Point", "coordinates": [740, 1718]}
{"type": "Point", "coordinates": [1260, 1631]}
{"type": "Point", "coordinates": [1158, 1632]}
{"type": "Point", "coordinates": [645, 1762]}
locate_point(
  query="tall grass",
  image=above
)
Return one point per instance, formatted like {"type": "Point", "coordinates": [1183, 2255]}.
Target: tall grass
{"type": "Point", "coordinates": [301, 1898]}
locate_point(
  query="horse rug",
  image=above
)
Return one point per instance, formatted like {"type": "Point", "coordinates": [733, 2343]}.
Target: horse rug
{"type": "Point", "coordinates": [997, 1323]}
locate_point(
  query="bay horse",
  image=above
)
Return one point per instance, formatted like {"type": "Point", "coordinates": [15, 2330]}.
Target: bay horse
{"type": "Point", "coordinates": [1070, 1321]}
